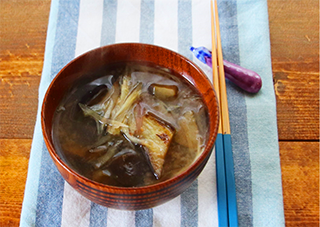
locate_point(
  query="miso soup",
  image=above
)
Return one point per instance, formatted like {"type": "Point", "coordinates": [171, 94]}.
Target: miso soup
{"type": "Point", "coordinates": [130, 125]}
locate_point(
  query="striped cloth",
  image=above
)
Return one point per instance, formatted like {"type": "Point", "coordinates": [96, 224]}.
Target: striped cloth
{"type": "Point", "coordinates": [76, 26]}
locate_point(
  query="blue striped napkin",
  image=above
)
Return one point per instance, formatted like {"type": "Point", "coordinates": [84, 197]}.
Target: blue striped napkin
{"type": "Point", "coordinates": [76, 26]}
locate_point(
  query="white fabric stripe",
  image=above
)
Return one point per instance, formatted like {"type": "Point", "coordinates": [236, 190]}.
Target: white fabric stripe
{"type": "Point", "coordinates": [76, 208]}
{"type": "Point", "coordinates": [127, 30]}
{"type": "Point", "coordinates": [89, 26]}
{"type": "Point", "coordinates": [168, 214]}
{"type": "Point", "coordinates": [128, 21]}
{"type": "Point", "coordinates": [166, 24]}
{"type": "Point", "coordinates": [120, 218]}
{"type": "Point", "coordinates": [166, 35]}
{"type": "Point", "coordinates": [201, 34]}
{"type": "Point", "coordinates": [207, 191]}
{"type": "Point", "coordinates": [207, 194]}
{"type": "Point", "coordinates": [29, 207]}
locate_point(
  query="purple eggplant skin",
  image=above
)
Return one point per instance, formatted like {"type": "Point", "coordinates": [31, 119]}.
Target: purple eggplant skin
{"type": "Point", "coordinates": [246, 79]}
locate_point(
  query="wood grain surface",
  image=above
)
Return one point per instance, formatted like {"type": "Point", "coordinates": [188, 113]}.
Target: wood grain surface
{"type": "Point", "coordinates": [23, 27]}
{"type": "Point", "coordinates": [300, 182]}
{"type": "Point", "coordinates": [294, 36]}
{"type": "Point", "coordinates": [14, 157]}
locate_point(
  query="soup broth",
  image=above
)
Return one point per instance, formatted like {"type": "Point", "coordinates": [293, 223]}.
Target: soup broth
{"type": "Point", "coordinates": [130, 125]}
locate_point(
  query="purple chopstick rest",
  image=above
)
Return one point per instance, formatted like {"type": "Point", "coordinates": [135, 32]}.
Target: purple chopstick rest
{"type": "Point", "coordinates": [246, 79]}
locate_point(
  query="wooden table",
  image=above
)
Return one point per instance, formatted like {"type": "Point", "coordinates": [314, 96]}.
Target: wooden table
{"type": "Point", "coordinates": [294, 33]}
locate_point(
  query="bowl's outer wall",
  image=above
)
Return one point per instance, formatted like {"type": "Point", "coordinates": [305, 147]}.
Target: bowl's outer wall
{"type": "Point", "coordinates": [129, 198]}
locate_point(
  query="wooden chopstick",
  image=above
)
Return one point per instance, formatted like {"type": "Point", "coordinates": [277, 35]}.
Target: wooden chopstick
{"type": "Point", "coordinates": [222, 81]}
{"type": "Point", "coordinates": [215, 75]}
{"type": "Point", "coordinates": [223, 152]}
{"type": "Point", "coordinates": [219, 151]}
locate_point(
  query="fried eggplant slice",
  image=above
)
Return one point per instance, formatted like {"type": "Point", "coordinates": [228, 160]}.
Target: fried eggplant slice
{"type": "Point", "coordinates": [158, 136]}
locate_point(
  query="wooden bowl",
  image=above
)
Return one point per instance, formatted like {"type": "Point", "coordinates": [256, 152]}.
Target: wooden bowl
{"type": "Point", "coordinates": [129, 198]}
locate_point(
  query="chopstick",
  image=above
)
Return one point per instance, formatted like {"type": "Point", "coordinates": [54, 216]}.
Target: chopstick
{"type": "Point", "coordinates": [227, 202]}
{"type": "Point", "coordinates": [220, 165]}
